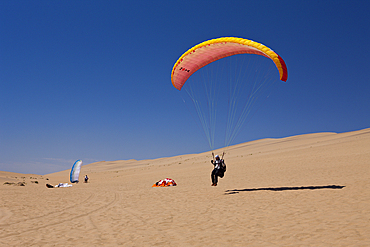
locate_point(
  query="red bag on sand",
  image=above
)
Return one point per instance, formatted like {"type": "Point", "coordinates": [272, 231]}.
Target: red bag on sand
{"type": "Point", "coordinates": [165, 183]}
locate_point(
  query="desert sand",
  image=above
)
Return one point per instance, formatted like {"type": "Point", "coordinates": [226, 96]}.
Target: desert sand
{"type": "Point", "coordinates": [276, 192]}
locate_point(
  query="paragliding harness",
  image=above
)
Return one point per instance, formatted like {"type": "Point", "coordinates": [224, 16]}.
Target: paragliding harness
{"type": "Point", "coordinates": [221, 165]}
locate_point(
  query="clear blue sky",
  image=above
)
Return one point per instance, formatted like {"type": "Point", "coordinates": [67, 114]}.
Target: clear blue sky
{"type": "Point", "coordinates": [91, 80]}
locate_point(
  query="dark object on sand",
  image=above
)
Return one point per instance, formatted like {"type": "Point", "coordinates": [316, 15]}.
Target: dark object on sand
{"type": "Point", "coordinates": [49, 186]}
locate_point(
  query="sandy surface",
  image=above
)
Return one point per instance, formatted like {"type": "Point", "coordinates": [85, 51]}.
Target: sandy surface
{"type": "Point", "coordinates": [273, 194]}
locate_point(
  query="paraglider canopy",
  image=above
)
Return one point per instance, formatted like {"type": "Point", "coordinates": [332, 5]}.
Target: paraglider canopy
{"type": "Point", "coordinates": [227, 80]}
{"type": "Point", "coordinates": [215, 49]}
{"type": "Point", "coordinates": [75, 171]}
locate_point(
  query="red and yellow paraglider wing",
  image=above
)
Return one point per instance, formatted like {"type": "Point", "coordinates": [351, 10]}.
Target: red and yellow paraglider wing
{"type": "Point", "coordinates": [215, 49]}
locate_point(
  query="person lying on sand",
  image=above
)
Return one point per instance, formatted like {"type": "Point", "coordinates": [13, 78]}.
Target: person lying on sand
{"type": "Point", "coordinates": [219, 169]}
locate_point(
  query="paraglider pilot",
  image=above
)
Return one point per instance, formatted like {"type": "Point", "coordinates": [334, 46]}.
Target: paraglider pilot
{"type": "Point", "coordinates": [86, 178]}
{"type": "Point", "coordinates": [219, 169]}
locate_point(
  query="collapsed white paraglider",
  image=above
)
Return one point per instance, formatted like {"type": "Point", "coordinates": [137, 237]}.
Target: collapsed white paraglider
{"type": "Point", "coordinates": [75, 171]}
{"type": "Point", "coordinates": [63, 185]}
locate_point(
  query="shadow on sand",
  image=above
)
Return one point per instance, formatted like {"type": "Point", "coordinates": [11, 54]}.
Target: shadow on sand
{"type": "Point", "coordinates": [229, 192]}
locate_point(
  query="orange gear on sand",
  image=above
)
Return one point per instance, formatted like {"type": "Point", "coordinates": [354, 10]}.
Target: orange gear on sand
{"type": "Point", "coordinates": [165, 183]}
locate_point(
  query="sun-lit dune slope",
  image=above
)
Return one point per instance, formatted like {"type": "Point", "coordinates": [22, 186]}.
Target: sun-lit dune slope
{"type": "Point", "coordinates": [306, 190]}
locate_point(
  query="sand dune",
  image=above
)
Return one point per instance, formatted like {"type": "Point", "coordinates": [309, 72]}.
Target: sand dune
{"type": "Point", "coordinates": [276, 192]}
